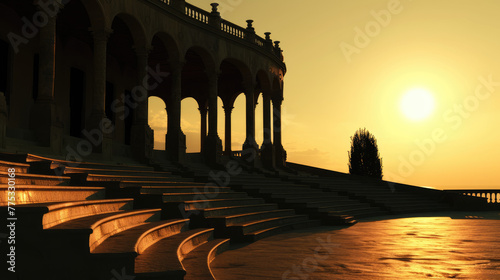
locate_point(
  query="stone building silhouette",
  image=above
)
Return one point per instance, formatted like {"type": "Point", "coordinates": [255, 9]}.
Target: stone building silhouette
{"type": "Point", "coordinates": [73, 70]}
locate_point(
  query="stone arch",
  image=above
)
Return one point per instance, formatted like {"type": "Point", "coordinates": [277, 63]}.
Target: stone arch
{"type": "Point", "coordinates": [160, 57]}
{"type": "Point", "coordinates": [96, 14]}
{"type": "Point", "coordinates": [234, 77]}
{"type": "Point", "coordinates": [136, 29]}
{"type": "Point", "coordinates": [208, 59]}
{"type": "Point", "coordinates": [170, 44]}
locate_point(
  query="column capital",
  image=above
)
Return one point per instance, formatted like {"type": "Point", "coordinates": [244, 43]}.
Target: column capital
{"type": "Point", "coordinates": [213, 74]}
{"type": "Point", "coordinates": [203, 110]}
{"type": "Point", "coordinates": [176, 65]}
{"type": "Point", "coordinates": [249, 87]}
{"type": "Point", "coordinates": [228, 109]}
{"type": "Point", "coordinates": [101, 34]}
{"type": "Point", "coordinates": [142, 51]}
{"type": "Point", "coordinates": [277, 100]}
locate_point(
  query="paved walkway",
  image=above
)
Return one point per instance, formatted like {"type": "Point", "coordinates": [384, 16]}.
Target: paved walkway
{"type": "Point", "coordinates": [452, 245]}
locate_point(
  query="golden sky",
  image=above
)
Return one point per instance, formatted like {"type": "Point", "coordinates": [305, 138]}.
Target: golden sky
{"type": "Point", "coordinates": [349, 64]}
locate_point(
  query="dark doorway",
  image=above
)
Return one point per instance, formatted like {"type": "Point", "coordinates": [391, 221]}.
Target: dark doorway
{"type": "Point", "coordinates": [36, 71]}
{"type": "Point", "coordinates": [110, 97]}
{"type": "Point", "coordinates": [4, 70]}
{"type": "Point", "coordinates": [128, 117]}
{"type": "Point", "coordinates": [76, 101]}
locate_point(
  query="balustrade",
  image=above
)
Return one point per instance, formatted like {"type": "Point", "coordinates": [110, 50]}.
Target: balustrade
{"type": "Point", "coordinates": [493, 196]}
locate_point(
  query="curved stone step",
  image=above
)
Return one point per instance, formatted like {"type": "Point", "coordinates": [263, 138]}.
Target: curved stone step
{"type": "Point", "coordinates": [184, 190]}
{"type": "Point", "coordinates": [254, 236]}
{"type": "Point", "coordinates": [173, 184]}
{"type": "Point", "coordinates": [164, 258]}
{"type": "Point", "coordinates": [28, 194]}
{"type": "Point", "coordinates": [217, 203]}
{"type": "Point", "coordinates": [5, 166]}
{"type": "Point", "coordinates": [281, 185]}
{"type": "Point", "coordinates": [348, 207]}
{"type": "Point", "coordinates": [137, 239]}
{"type": "Point", "coordinates": [300, 194]}
{"type": "Point", "coordinates": [233, 210]}
{"type": "Point", "coordinates": [360, 212]}
{"type": "Point", "coordinates": [225, 221]}
{"type": "Point", "coordinates": [117, 172]}
{"type": "Point", "coordinates": [49, 215]}
{"type": "Point", "coordinates": [102, 228]}
{"type": "Point", "coordinates": [253, 226]}
{"type": "Point", "coordinates": [197, 263]}
{"type": "Point", "coordinates": [177, 197]}
{"type": "Point", "coordinates": [120, 250]}
{"type": "Point", "coordinates": [328, 203]}
{"type": "Point", "coordinates": [34, 179]}
{"type": "Point", "coordinates": [135, 178]}
{"type": "Point", "coordinates": [319, 199]}
{"type": "Point", "coordinates": [83, 164]}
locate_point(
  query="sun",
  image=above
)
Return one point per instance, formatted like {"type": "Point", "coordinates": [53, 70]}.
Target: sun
{"type": "Point", "coordinates": [417, 104]}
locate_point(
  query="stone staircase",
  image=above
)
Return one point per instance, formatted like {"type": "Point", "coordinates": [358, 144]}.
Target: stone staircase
{"type": "Point", "coordinates": [90, 220]}
{"type": "Point", "coordinates": [68, 231]}
{"type": "Point", "coordinates": [128, 220]}
{"type": "Point", "coordinates": [331, 208]}
{"type": "Point", "coordinates": [389, 197]}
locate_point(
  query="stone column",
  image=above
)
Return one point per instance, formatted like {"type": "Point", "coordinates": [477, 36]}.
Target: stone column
{"type": "Point", "coordinates": [142, 141]}
{"type": "Point", "coordinates": [280, 153]}
{"type": "Point", "coordinates": [98, 120]}
{"type": "Point", "coordinates": [203, 132]}
{"type": "Point", "coordinates": [227, 149]}
{"type": "Point", "coordinates": [44, 118]}
{"type": "Point", "coordinates": [100, 65]}
{"type": "Point", "coordinates": [213, 144]}
{"type": "Point", "coordinates": [267, 151]}
{"type": "Point", "coordinates": [250, 147]}
{"type": "Point", "coordinates": [176, 140]}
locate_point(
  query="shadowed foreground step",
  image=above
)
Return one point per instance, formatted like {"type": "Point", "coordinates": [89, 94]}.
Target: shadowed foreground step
{"type": "Point", "coordinates": [121, 250]}
{"type": "Point", "coordinates": [198, 261]}
{"type": "Point", "coordinates": [164, 259]}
